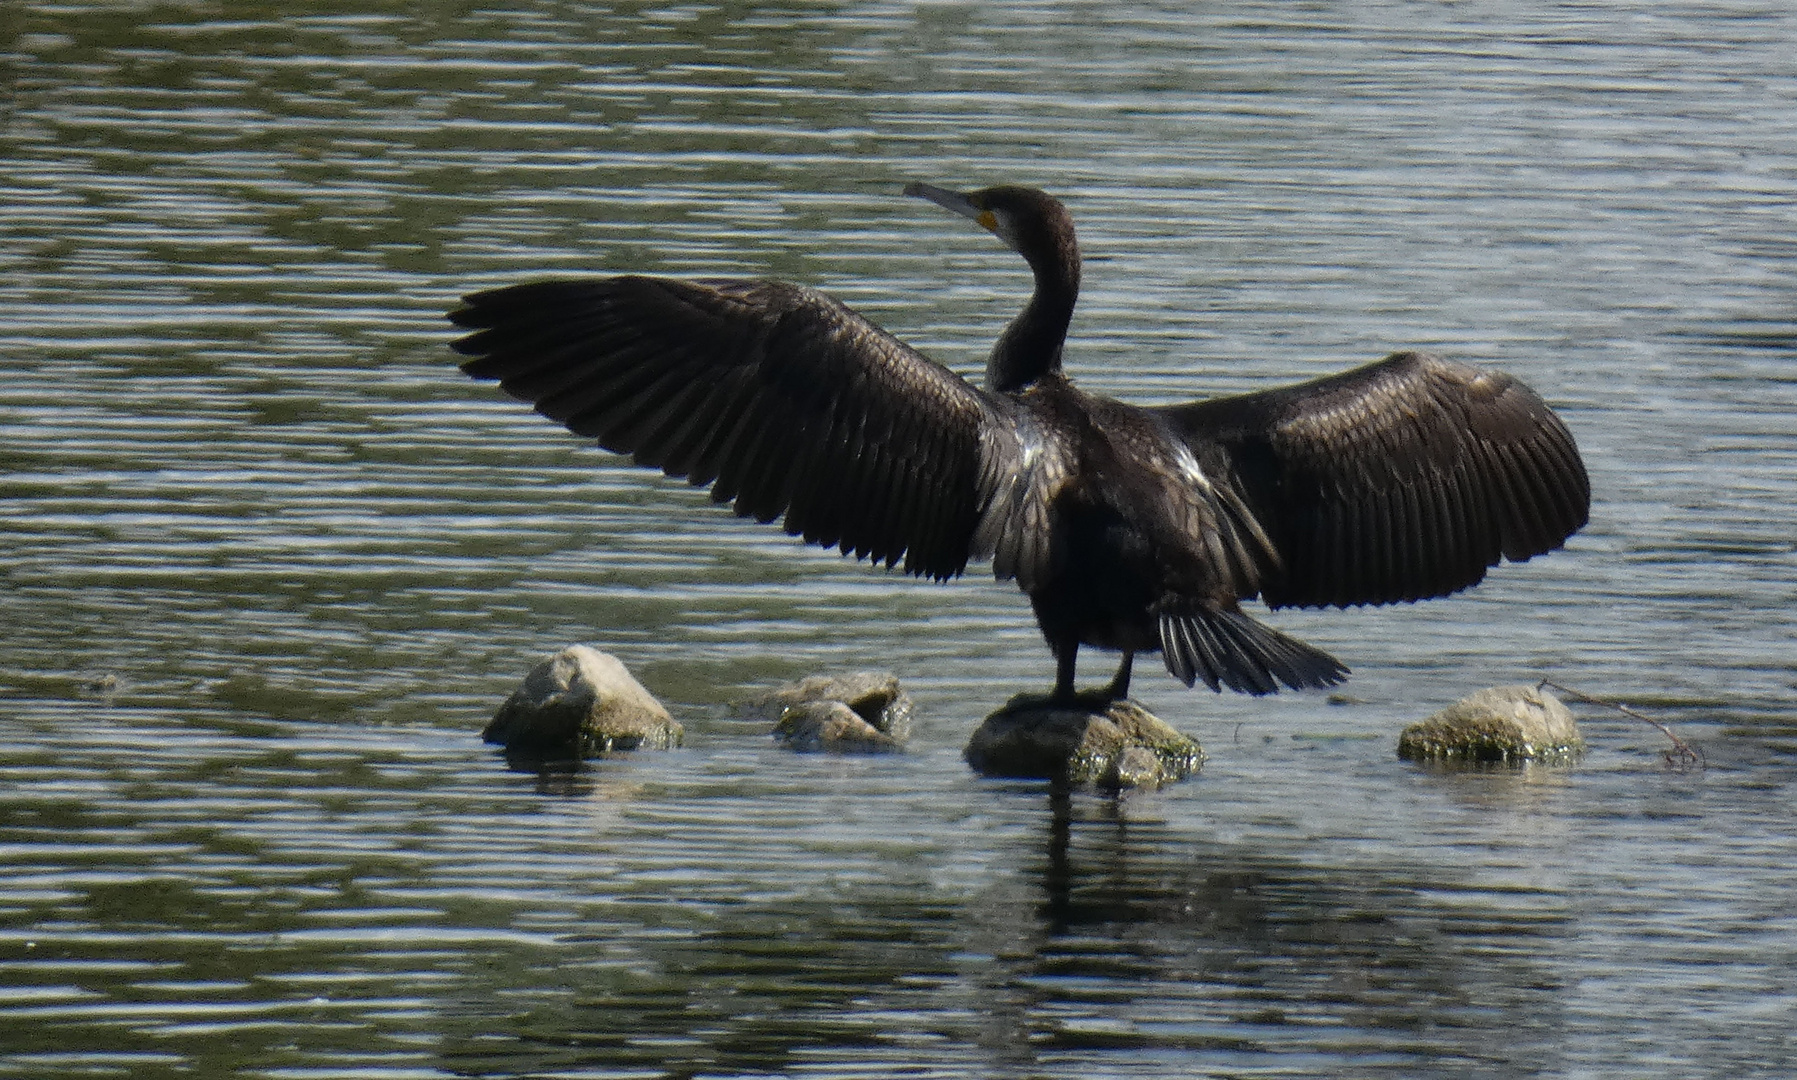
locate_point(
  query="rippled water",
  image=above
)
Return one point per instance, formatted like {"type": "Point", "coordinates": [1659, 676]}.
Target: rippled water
{"type": "Point", "coordinates": [270, 562]}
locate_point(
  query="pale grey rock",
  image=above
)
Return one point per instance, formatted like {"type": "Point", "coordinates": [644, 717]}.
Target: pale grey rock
{"type": "Point", "coordinates": [1113, 745]}
{"type": "Point", "coordinates": [585, 703]}
{"type": "Point", "coordinates": [1496, 725]}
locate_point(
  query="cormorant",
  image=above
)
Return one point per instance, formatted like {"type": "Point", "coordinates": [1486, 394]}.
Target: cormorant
{"type": "Point", "coordinates": [1133, 529]}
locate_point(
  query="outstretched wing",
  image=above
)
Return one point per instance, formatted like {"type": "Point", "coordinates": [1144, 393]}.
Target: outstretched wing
{"type": "Point", "coordinates": [782, 399]}
{"type": "Point", "coordinates": [1400, 480]}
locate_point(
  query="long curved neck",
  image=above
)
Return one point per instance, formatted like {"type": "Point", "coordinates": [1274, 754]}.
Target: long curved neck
{"type": "Point", "coordinates": [1031, 346]}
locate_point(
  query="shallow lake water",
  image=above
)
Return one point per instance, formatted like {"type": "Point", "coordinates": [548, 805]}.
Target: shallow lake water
{"type": "Point", "coordinates": [268, 561]}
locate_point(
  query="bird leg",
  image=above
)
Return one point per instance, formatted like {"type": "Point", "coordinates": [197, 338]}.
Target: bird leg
{"type": "Point", "coordinates": [1065, 656]}
{"type": "Point", "coordinates": [1065, 659]}
{"type": "Point", "coordinates": [1119, 688]}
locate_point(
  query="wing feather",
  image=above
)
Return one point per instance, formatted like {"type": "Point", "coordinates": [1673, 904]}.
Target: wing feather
{"type": "Point", "coordinates": [732, 424]}
{"type": "Point", "coordinates": [1404, 479]}
{"type": "Point", "coordinates": [787, 403]}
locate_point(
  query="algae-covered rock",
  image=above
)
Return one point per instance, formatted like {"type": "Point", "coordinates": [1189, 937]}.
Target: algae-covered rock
{"type": "Point", "coordinates": [584, 703]}
{"type": "Point", "coordinates": [1497, 724]}
{"type": "Point", "coordinates": [1116, 744]}
{"type": "Point", "coordinates": [861, 712]}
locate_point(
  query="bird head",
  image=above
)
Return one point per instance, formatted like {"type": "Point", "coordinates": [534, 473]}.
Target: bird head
{"type": "Point", "coordinates": [1030, 222]}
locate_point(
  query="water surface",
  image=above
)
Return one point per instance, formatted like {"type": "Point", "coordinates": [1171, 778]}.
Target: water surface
{"type": "Point", "coordinates": [270, 562]}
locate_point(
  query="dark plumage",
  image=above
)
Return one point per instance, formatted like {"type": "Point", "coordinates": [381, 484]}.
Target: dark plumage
{"type": "Point", "coordinates": [1132, 529]}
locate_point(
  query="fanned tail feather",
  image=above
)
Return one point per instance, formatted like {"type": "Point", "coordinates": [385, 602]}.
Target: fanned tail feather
{"type": "Point", "coordinates": [1228, 648]}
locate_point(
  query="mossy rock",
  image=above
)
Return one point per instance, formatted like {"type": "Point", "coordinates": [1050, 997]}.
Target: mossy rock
{"type": "Point", "coordinates": [1105, 744]}
{"type": "Point", "coordinates": [1497, 725]}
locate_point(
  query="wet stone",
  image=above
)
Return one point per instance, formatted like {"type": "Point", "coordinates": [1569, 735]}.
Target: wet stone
{"type": "Point", "coordinates": [832, 726]}
{"type": "Point", "coordinates": [1112, 745]}
{"type": "Point", "coordinates": [864, 712]}
{"type": "Point", "coordinates": [1500, 724]}
{"type": "Point", "coordinates": [582, 702]}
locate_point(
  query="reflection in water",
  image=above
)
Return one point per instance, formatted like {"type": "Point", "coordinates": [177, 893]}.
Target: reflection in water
{"type": "Point", "coordinates": [297, 896]}
{"type": "Point", "coordinates": [1173, 955]}
{"type": "Point", "coordinates": [267, 563]}
{"type": "Point", "coordinates": [1255, 954]}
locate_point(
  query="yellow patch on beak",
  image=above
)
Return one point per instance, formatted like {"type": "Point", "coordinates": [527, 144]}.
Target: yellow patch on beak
{"type": "Point", "coordinates": [988, 220]}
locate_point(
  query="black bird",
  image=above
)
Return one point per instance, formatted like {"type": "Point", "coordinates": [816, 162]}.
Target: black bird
{"type": "Point", "coordinates": [1134, 529]}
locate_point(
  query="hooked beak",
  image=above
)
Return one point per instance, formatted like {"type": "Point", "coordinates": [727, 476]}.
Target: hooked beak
{"type": "Point", "coordinates": [955, 201]}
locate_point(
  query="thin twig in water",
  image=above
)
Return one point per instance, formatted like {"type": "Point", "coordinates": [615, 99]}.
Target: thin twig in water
{"type": "Point", "coordinates": [1682, 752]}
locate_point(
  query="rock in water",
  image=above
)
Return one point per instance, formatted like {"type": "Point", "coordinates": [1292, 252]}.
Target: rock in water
{"type": "Point", "coordinates": [1115, 745]}
{"type": "Point", "coordinates": [1497, 724]}
{"type": "Point", "coordinates": [856, 713]}
{"type": "Point", "coordinates": [831, 726]}
{"type": "Point", "coordinates": [584, 703]}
